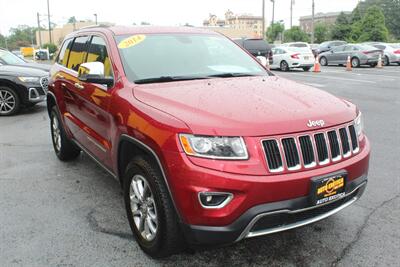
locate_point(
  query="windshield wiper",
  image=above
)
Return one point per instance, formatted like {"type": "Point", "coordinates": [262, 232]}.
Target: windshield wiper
{"type": "Point", "coordinates": [165, 79]}
{"type": "Point", "coordinates": [231, 74]}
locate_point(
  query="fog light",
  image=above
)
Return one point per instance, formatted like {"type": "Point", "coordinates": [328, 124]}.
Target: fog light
{"type": "Point", "coordinates": [214, 200]}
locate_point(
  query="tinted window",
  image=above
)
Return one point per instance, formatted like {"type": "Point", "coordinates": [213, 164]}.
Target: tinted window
{"type": "Point", "coordinates": [258, 45]}
{"type": "Point", "coordinates": [338, 43]}
{"type": "Point", "coordinates": [349, 48]}
{"type": "Point", "coordinates": [338, 49]}
{"type": "Point", "coordinates": [298, 45]}
{"type": "Point", "coordinates": [77, 54]}
{"type": "Point", "coordinates": [98, 53]}
{"type": "Point", "coordinates": [381, 47]}
{"type": "Point", "coordinates": [64, 52]}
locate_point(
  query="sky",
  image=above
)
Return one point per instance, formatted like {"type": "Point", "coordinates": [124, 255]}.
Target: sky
{"type": "Point", "coordinates": [157, 12]}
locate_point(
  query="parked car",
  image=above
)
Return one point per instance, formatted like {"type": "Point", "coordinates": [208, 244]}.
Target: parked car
{"type": "Point", "coordinates": [391, 52]}
{"type": "Point", "coordinates": [286, 58]}
{"type": "Point", "coordinates": [256, 47]}
{"type": "Point", "coordinates": [210, 148]}
{"type": "Point", "coordinates": [359, 55]}
{"type": "Point", "coordinates": [8, 58]}
{"type": "Point", "coordinates": [329, 45]}
{"type": "Point", "coordinates": [298, 45]}
{"type": "Point", "coordinates": [21, 87]}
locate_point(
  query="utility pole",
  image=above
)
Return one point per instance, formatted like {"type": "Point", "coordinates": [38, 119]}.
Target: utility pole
{"type": "Point", "coordinates": [263, 19]}
{"type": "Point", "coordinates": [40, 33]}
{"type": "Point", "coordinates": [312, 22]}
{"type": "Point", "coordinates": [291, 13]}
{"type": "Point", "coordinates": [273, 11]}
{"type": "Point", "coordinates": [95, 18]}
{"type": "Point", "coordinates": [5, 40]}
{"type": "Point", "coordinates": [48, 15]}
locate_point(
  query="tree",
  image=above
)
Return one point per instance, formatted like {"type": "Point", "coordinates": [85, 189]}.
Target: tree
{"type": "Point", "coordinates": [52, 47]}
{"type": "Point", "coordinates": [20, 36]}
{"type": "Point", "coordinates": [2, 41]}
{"type": "Point", "coordinates": [391, 11]}
{"type": "Point", "coordinates": [373, 26]}
{"type": "Point", "coordinates": [274, 30]}
{"type": "Point", "coordinates": [321, 32]}
{"type": "Point", "coordinates": [296, 34]}
{"type": "Point", "coordinates": [342, 28]}
{"type": "Point", "coordinates": [72, 20]}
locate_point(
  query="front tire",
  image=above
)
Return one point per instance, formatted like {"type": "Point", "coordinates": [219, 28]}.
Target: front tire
{"type": "Point", "coordinates": [386, 61]}
{"type": "Point", "coordinates": [150, 211]}
{"type": "Point", "coordinates": [355, 62]}
{"type": "Point", "coordinates": [323, 61]}
{"type": "Point", "coordinates": [306, 68]}
{"type": "Point", "coordinates": [63, 147]}
{"type": "Point", "coordinates": [10, 104]}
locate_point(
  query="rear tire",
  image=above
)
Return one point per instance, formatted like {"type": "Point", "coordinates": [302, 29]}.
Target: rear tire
{"type": "Point", "coordinates": [63, 147]}
{"type": "Point", "coordinates": [323, 61]}
{"type": "Point", "coordinates": [163, 236]}
{"type": "Point", "coordinates": [10, 104]}
{"type": "Point", "coordinates": [373, 65]}
{"type": "Point", "coordinates": [306, 68]}
{"type": "Point", "coordinates": [284, 66]}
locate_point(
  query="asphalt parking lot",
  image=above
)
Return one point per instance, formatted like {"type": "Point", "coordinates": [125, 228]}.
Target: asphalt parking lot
{"type": "Point", "coordinates": [58, 214]}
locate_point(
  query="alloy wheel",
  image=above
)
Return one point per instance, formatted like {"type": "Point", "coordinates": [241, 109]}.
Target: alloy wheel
{"type": "Point", "coordinates": [56, 133]}
{"type": "Point", "coordinates": [7, 102]}
{"type": "Point", "coordinates": [143, 207]}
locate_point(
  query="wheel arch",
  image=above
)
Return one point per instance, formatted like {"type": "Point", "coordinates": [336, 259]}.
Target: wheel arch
{"type": "Point", "coordinates": [12, 85]}
{"type": "Point", "coordinates": [51, 102]}
{"type": "Point", "coordinates": [128, 148]}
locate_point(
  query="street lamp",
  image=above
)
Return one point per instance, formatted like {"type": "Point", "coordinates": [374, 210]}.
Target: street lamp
{"type": "Point", "coordinates": [273, 11]}
{"type": "Point", "coordinates": [95, 18]}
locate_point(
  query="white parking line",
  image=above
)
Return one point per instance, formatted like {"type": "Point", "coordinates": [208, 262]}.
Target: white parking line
{"type": "Point", "coordinates": [361, 74]}
{"type": "Point", "coordinates": [333, 78]}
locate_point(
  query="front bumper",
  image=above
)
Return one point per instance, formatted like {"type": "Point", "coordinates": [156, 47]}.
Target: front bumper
{"type": "Point", "coordinates": [273, 218]}
{"type": "Point", "coordinates": [36, 95]}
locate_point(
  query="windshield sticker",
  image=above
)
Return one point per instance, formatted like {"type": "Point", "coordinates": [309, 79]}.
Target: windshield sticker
{"type": "Point", "coordinates": [131, 41]}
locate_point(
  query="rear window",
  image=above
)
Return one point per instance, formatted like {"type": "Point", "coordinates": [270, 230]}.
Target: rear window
{"type": "Point", "coordinates": [366, 47]}
{"type": "Point", "coordinates": [77, 54]}
{"type": "Point", "coordinates": [256, 45]}
{"type": "Point", "coordinates": [395, 46]}
{"type": "Point", "coordinates": [299, 49]}
{"type": "Point", "coordinates": [299, 45]}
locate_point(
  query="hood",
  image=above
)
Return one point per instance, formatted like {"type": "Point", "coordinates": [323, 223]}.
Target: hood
{"type": "Point", "coordinates": [45, 67]}
{"type": "Point", "coordinates": [248, 106]}
{"type": "Point", "coordinates": [13, 70]}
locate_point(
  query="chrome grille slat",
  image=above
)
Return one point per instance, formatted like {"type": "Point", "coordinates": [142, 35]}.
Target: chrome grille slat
{"type": "Point", "coordinates": [308, 150]}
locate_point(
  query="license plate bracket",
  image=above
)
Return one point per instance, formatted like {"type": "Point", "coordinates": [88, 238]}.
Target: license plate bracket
{"type": "Point", "coordinates": [328, 188]}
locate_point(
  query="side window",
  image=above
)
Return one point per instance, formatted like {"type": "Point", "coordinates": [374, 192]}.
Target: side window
{"type": "Point", "coordinates": [77, 54]}
{"type": "Point", "coordinates": [98, 53]}
{"type": "Point", "coordinates": [64, 52]}
{"type": "Point", "coordinates": [338, 49]}
{"type": "Point", "coordinates": [348, 48]}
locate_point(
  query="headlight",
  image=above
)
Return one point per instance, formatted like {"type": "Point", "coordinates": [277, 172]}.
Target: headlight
{"type": "Point", "coordinates": [29, 79]}
{"type": "Point", "coordinates": [214, 147]}
{"type": "Point", "coordinates": [359, 124]}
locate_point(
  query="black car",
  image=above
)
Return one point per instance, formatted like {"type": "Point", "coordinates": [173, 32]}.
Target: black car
{"type": "Point", "coordinates": [8, 58]}
{"type": "Point", "coordinates": [327, 46]}
{"type": "Point", "coordinates": [21, 87]}
{"type": "Point", "coordinates": [256, 47]}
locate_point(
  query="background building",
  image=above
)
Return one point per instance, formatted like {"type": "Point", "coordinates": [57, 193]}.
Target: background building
{"type": "Point", "coordinates": [234, 26]}
{"type": "Point", "coordinates": [328, 18]}
{"type": "Point", "coordinates": [58, 33]}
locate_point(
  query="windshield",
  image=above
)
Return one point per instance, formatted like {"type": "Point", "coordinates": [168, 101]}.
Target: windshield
{"type": "Point", "coordinates": [183, 55]}
{"type": "Point", "coordinates": [299, 45]}
{"type": "Point", "coordinates": [9, 58]}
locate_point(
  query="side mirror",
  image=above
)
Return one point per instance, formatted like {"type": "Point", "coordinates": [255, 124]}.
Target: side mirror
{"type": "Point", "coordinates": [93, 72]}
{"type": "Point", "coordinates": [262, 60]}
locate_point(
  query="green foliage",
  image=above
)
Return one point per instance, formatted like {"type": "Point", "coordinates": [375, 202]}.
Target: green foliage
{"type": "Point", "coordinates": [321, 32]}
{"type": "Point", "coordinates": [52, 47]}
{"type": "Point", "coordinates": [391, 11]}
{"type": "Point", "coordinates": [342, 28]}
{"type": "Point", "coordinates": [296, 34]}
{"type": "Point", "coordinates": [2, 41]}
{"type": "Point", "coordinates": [373, 26]}
{"type": "Point", "coordinates": [21, 36]}
{"type": "Point", "coordinates": [72, 20]}
{"type": "Point", "coordinates": [274, 30]}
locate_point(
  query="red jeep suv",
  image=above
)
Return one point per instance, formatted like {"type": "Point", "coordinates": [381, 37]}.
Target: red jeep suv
{"type": "Point", "coordinates": [210, 147]}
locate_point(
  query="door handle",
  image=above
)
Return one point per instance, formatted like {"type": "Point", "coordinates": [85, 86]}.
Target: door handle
{"type": "Point", "coordinates": [79, 86]}
{"type": "Point", "coordinates": [59, 76]}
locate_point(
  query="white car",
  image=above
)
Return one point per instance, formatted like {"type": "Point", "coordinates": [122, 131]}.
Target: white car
{"type": "Point", "coordinates": [286, 58]}
{"type": "Point", "coordinates": [391, 52]}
